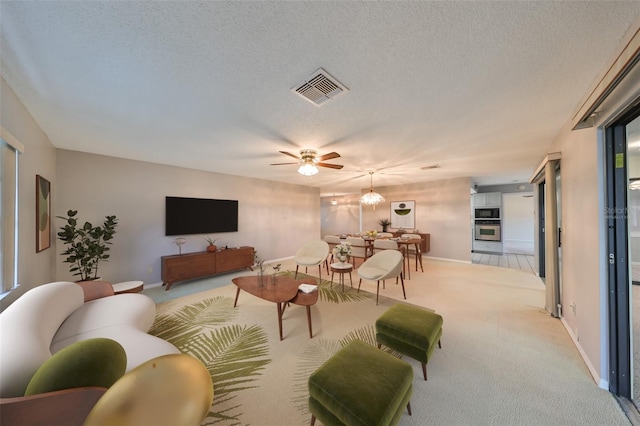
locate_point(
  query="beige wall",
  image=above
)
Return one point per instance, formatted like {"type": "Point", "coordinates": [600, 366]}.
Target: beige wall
{"type": "Point", "coordinates": [342, 218]}
{"type": "Point", "coordinates": [38, 159]}
{"type": "Point", "coordinates": [443, 209]}
{"type": "Point", "coordinates": [581, 223]}
{"type": "Point", "coordinates": [275, 218]}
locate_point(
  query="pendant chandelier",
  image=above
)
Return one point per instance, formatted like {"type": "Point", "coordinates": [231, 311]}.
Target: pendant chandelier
{"type": "Point", "coordinates": [371, 198]}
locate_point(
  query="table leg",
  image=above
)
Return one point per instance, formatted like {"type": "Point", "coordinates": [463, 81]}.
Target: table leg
{"type": "Point", "coordinates": [280, 318]}
{"type": "Point", "coordinates": [350, 280]}
{"type": "Point", "coordinates": [309, 321]}
{"type": "Point", "coordinates": [237, 294]}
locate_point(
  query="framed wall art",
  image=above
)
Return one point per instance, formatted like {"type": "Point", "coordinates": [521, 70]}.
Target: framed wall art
{"type": "Point", "coordinates": [43, 214]}
{"type": "Point", "coordinates": [403, 214]}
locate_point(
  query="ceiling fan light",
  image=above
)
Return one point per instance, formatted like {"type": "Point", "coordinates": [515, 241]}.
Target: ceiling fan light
{"type": "Point", "coordinates": [308, 169]}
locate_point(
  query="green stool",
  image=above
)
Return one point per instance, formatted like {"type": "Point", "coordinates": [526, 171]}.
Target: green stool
{"type": "Point", "coordinates": [360, 385]}
{"type": "Point", "coordinates": [410, 330]}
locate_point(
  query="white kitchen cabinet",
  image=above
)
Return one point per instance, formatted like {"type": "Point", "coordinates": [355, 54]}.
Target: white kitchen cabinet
{"type": "Point", "coordinates": [487, 199]}
{"type": "Point", "coordinates": [487, 246]}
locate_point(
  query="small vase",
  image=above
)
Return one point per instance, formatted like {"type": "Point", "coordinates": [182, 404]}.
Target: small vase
{"type": "Point", "coordinates": [262, 278]}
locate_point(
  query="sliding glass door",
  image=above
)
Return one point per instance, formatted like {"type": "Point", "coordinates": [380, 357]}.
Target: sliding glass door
{"type": "Point", "coordinates": [623, 241]}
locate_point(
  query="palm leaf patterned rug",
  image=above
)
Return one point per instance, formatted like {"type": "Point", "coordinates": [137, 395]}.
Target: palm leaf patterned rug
{"type": "Point", "coordinates": [258, 379]}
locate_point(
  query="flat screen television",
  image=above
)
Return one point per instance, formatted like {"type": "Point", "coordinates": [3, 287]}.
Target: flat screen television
{"type": "Point", "coordinates": [200, 216]}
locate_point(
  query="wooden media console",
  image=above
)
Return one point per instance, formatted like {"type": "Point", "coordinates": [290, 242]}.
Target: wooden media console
{"type": "Point", "coordinates": [189, 266]}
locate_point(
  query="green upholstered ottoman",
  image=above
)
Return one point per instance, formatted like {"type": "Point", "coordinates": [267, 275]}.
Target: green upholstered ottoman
{"type": "Point", "coordinates": [410, 330]}
{"type": "Point", "coordinates": [360, 385]}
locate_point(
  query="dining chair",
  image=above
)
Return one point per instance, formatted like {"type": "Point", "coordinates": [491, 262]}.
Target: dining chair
{"type": "Point", "coordinates": [382, 266]}
{"type": "Point", "coordinates": [359, 248]}
{"type": "Point", "coordinates": [379, 245]}
{"type": "Point", "coordinates": [332, 240]}
{"type": "Point", "coordinates": [415, 249]}
{"type": "Point", "coordinates": [385, 235]}
{"type": "Point", "coordinates": [312, 253]}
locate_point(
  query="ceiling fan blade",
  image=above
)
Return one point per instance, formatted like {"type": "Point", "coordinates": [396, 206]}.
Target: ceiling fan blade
{"type": "Point", "coordinates": [331, 166]}
{"type": "Point", "coordinates": [328, 156]}
{"type": "Point", "coordinates": [289, 154]}
{"type": "Point", "coordinates": [280, 164]}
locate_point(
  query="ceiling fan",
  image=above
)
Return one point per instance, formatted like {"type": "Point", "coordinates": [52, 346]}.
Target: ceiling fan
{"type": "Point", "coordinates": [309, 159]}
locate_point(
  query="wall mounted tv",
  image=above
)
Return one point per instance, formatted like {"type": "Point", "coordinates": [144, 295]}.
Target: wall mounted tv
{"type": "Point", "coordinates": [200, 216]}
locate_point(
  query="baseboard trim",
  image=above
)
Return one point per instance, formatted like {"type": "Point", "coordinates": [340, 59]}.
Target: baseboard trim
{"type": "Point", "coordinates": [602, 383]}
{"type": "Point", "coordinates": [447, 259]}
{"type": "Point", "coordinates": [152, 285]}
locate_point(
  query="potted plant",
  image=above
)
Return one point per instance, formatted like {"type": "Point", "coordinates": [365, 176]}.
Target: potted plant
{"type": "Point", "coordinates": [212, 244]}
{"type": "Point", "coordinates": [384, 222]}
{"type": "Point", "coordinates": [88, 245]}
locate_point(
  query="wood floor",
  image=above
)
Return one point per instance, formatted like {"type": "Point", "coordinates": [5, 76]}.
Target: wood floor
{"type": "Point", "coordinates": [523, 262]}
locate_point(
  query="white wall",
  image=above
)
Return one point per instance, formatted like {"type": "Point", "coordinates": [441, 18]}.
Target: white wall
{"type": "Point", "coordinates": [517, 222]}
{"type": "Point", "coordinates": [275, 218]}
{"type": "Point", "coordinates": [38, 159]}
{"type": "Point", "coordinates": [342, 218]}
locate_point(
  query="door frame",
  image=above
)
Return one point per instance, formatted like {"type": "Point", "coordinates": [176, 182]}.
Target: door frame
{"type": "Point", "coordinates": [618, 274]}
{"type": "Point", "coordinates": [546, 174]}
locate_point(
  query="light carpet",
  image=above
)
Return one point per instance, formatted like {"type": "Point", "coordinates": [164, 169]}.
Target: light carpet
{"type": "Point", "coordinates": [504, 360]}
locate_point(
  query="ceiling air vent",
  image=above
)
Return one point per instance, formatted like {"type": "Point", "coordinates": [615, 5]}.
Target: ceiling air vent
{"type": "Point", "coordinates": [320, 87]}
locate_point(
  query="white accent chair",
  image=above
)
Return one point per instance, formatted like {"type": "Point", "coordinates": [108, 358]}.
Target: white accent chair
{"type": "Point", "coordinates": [382, 266]}
{"type": "Point", "coordinates": [379, 245]}
{"type": "Point", "coordinates": [312, 253]}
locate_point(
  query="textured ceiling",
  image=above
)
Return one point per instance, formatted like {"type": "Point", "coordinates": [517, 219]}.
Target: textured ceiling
{"type": "Point", "coordinates": [479, 88]}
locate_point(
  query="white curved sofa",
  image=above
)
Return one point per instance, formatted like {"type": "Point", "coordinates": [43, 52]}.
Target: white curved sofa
{"type": "Point", "coordinates": [52, 316]}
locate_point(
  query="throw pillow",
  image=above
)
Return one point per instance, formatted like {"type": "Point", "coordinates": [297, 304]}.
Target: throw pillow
{"type": "Point", "coordinates": [92, 362]}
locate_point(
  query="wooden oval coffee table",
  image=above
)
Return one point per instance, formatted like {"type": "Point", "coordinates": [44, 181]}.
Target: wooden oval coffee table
{"type": "Point", "coordinates": [306, 300]}
{"type": "Point", "coordinates": [284, 290]}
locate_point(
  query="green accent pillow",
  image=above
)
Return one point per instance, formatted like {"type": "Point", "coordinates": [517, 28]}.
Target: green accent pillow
{"type": "Point", "coordinates": [92, 362]}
